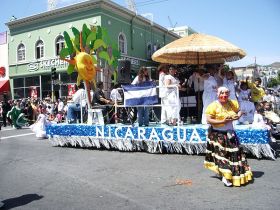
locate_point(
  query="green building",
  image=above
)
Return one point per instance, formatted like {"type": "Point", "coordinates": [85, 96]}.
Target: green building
{"type": "Point", "coordinates": [35, 43]}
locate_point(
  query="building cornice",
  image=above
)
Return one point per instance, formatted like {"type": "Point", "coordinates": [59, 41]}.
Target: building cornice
{"type": "Point", "coordinates": [82, 7]}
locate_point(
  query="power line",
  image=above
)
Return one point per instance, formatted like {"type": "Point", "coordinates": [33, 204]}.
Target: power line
{"type": "Point", "coordinates": [149, 2]}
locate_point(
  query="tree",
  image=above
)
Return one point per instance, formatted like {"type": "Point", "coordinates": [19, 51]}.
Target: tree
{"type": "Point", "coordinates": [273, 82]}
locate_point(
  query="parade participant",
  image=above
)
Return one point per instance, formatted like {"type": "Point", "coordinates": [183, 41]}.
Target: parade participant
{"type": "Point", "coordinates": [257, 92]}
{"type": "Point", "coordinates": [74, 107]}
{"type": "Point", "coordinates": [39, 127]}
{"type": "Point", "coordinates": [196, 80]}
{"type": "Point", "coordinates": [16, 115]}
{"type": "Point", "coordinates": [142, 112]}
{"type": "Point", "coordinates": [246, 106]}
{"type": "Point", "coordinates": [163, 71]}
{"type": "Point", "coordinates": [99, 98]}
{"type": "Point", "coordinates": [210, 91]}
{"type": "Point", "coordinates": [223, 153]}
{"type": "Point", "coordinates": [172, 99]}
{"type": "Point", "coordinates": [115, 95]}
{"type": "Point", "coordinates": [229, 82]}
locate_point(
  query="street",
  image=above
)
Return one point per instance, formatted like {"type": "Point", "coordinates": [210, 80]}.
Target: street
{"type": "Point", "coordinates": [36, 175]}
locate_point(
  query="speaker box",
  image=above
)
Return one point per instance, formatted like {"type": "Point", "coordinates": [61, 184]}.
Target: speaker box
{"type": "Point", "coordinates": [124, 72]}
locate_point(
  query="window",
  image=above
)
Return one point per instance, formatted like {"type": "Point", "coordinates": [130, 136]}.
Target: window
{"type": "Point", "coordinates": [39, 49]}
{"type": "Point", "coordinates": [59, 44]}
{"type": "Point", "coordinates": [149, 51]}
{"type": "Point", "coordinates": [122, 44]}
{"type": "Point", "coordinates": [21, 52]}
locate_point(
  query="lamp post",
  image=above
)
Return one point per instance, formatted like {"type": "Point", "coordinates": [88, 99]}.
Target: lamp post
{"type": "Point", "coordinates": [53, 78]}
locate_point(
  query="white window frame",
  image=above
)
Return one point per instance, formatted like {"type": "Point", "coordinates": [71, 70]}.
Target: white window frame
{"type": "Point", "coordinates": [124, 42]}
{"type": "Point", "coordinates": [42, 49]}
{"type": "Point", "coordinates": [23, 50]}
{"type": "Point", "coordinates": [149, 52]}
{"type": "Point", "coordinates": [60, 43]}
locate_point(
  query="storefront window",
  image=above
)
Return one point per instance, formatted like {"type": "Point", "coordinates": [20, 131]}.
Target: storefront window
{"type": "Point", "coordinates": [32, 81]}
{"type": "Point", "coordinates": [18, 93]}
{"type": "Point", "coordinates": [46, 85]}
{"type": "Point", "coordinates": [19, 82]}
{"type": "Point", "coordinates": [23, 86]}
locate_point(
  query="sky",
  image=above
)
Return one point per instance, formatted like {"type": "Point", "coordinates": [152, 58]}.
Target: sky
{"type": "Point", "coordinates": [252, 25]}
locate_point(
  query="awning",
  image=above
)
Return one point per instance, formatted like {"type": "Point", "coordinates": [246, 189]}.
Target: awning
{"type": "Point", "coordinates": [4, 86]}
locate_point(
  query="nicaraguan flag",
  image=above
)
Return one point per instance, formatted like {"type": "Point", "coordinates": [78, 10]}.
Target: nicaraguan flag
{"type": "Point", "coordinates": [141, 94]}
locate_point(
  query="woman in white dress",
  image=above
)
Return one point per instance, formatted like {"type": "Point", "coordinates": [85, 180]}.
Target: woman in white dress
{"type": "Point", "coordinates": [163, 71]}
{"type": "Point", "coordinates": [210, 92]}
{"type": "Point", "coordinates": [172, 100]}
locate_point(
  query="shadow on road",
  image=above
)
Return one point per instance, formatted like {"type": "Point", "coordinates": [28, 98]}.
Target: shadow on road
{"type": "Point", "coordinates": [20, 201]}
{"type": "Point", "coordinates": [258, 174]}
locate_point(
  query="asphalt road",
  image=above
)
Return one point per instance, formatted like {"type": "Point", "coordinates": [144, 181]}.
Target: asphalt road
{"type": "Point", "coordinates": [36, 175]}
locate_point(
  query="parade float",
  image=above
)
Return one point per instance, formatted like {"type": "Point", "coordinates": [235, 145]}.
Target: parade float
{"type": "Point", "coordinates": [84, 51]}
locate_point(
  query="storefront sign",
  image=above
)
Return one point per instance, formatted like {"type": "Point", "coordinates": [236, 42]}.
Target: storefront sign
{"type": "Point", "coordinates": [47, 64]}
{"type": "Point", "coordinates": [133, 61]}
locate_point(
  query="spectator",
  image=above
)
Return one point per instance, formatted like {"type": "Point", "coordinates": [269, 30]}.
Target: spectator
{"type": "Point", "coordinates": [257, 92]}
{"type": "Point", "coordinates": [6, 107]}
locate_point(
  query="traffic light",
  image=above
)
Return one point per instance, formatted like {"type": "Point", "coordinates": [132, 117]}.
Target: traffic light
{"type": "Point", "coordinates": [54, 75]}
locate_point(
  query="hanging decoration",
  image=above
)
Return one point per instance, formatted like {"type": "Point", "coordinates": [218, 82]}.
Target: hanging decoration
{"type": "Point", "coordinates": [85, 50]}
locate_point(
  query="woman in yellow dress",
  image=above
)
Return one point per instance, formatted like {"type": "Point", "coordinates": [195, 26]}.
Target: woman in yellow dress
{"type": "Point", "coordinates": [224, 155]}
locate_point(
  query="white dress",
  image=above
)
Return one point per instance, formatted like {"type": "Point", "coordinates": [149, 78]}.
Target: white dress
{"type": "Point", "coordinates": [162, 95]}
{"type": "Point", "coordinates": [246, 106]}
{"type": "Point", "coordinates": [230, 84]}
{"type": "Point", "coordinates": [209, 95]}
{"type": "Point", "coordinates": [39, 128]}
{"type": "Point", "coordinates": [172, 100]}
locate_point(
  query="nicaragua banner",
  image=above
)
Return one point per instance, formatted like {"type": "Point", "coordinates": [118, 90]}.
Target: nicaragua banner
{"type": "Point", "coordinates": [141, 94]}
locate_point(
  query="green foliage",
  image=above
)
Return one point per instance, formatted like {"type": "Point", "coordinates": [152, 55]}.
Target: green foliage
{"type": "Point", "coordinates": [273, 82]}
{"type": "Point", "coordinates": [99, 43]}
{"type": "Point", "coordinates": [64, 52]}
{"type": "Point", "coordinates": [70, 69]}
{"type": "Point", "coordinates": [68, 42]}
{"type": "Point", "coordinates": [97, 40]}
{"type": "Point", "coordinates": [77, 38]}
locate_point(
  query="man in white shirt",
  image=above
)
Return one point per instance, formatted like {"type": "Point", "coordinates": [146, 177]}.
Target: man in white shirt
{"type": "Point", "coordinates": [74, 108]}
{"type": "Point", "coordinates": [197, 81]}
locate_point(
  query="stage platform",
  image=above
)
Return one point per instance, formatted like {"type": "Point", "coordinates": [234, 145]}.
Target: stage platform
{"type": "Point", "coordinates": [185, 139]}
